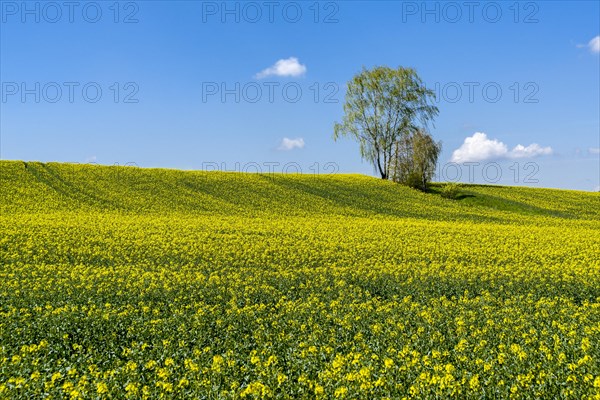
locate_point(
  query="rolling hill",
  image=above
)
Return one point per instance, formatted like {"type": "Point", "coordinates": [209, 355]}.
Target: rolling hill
{"type": "Point", "coordinates": [30, 187]}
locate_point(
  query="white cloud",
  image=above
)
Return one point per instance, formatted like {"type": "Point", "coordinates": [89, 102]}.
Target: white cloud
{"type": "Point", "coordinates": [533, 150]}
{"type": "Point", "coordinates": [284, 67]}
{"type": "Point", "coordinates": [594, 150]}
{"type": "Point", "coordinates": [91, 159]}
{"type": "Point", "coordinates": [593, 45]}
{"type": "Point", "coordinates": [291, 144]}
{"type": "Point", "coordinates": [479, 148]}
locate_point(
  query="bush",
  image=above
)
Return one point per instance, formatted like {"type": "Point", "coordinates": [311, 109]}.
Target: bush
{"type": "Point", "coordinates": [414, 180]}
{"type": "Point", "coordinates": [451, 190]}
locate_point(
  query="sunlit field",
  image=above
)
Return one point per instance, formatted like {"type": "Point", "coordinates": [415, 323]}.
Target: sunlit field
{"type": "Point", "coordinates": [147, 283]}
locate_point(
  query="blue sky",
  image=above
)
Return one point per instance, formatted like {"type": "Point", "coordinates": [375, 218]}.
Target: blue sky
{"type": "Point", "coordinates": [214, 85]}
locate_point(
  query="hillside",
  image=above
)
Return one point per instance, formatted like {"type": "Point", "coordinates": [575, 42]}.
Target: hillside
{"type": "Point", "coordinates": [31, 187]}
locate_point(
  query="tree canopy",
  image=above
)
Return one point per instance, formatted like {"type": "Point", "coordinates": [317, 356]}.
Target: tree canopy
{"type": "Point", "coordinates": [383, 105]}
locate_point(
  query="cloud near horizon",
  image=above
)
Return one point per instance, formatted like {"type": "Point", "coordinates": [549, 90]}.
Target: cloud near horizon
{"type": "Point", "coordinates": [289, 67]}
{"type": "Point", "coordinates": [479, 148]}
{"type": "Point", "coordinates": [291, 144]}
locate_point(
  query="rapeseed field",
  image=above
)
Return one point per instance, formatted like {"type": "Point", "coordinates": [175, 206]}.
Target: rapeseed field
{"type": "Point", "coordinates": [121, 282]}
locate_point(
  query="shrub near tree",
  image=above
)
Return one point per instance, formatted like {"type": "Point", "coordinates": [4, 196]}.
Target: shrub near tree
{"type": "Point", "coordinates": [451, 190]}
{"type": "Point", "coordinates": [414, 159]}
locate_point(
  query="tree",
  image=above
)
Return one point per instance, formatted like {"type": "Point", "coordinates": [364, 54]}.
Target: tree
{"type": "Point", "coordinates": [414, 159]}
{"type": "Point", "coordinates": [382, 106]}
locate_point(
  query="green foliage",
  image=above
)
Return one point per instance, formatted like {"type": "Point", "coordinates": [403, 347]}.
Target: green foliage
{"type": "Point", "coordinates": [412, 179]}
{"type": "Point", "coordinates": [451, 190]}
{"type": "Point", "coordinates": [135, 283]}
{"type": "Point", "coordinates": [382, 105]}
{"type": "Point", "coordinates": [414, 159]}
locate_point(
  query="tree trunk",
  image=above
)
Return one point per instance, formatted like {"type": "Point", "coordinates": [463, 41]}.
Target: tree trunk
{"type": "Point", "coordinates": [382, 171]}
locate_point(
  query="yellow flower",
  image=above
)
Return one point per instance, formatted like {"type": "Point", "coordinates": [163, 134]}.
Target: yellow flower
{"type": "Point", "coordinates": [151, 364]}
{"type": "Point", "coordinates": [183, 382]}
{"type": "Point", "coordinates": [585, 345]}
{"type": "Point", "coordinates": [340, 392]}
{"type": "Point", "coordinates": [474, 382]}
{"type": "Point", "coordinates": [162, 373]}
{"type": "Point", "coordinates": [319, 390]}
{"type": "Point", "coordinates": [101, 388]}
{"type": "Point", "coordinates": [254, 389]}
{"type": "Point", "coordinates": [217, 364]}
{"type": "Point", "coordinates": [131, 388]}
{"type": "Point", "coordinates": [281, 378]}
